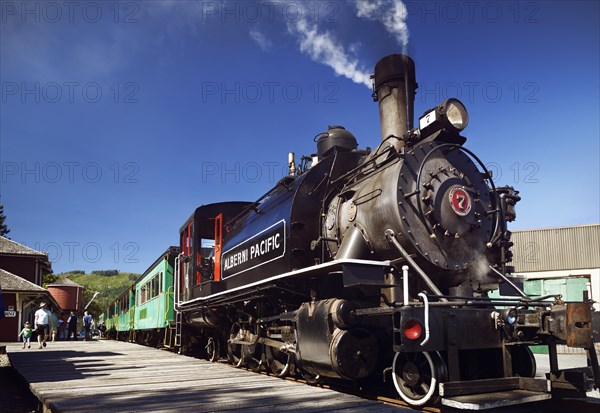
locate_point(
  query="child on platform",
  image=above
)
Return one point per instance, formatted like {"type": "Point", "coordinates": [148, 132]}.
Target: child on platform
{"type": "Point", "coordinates": [26, 333]}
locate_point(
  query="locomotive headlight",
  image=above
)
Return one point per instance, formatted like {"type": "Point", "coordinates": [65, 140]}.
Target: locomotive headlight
{"type": "Point", "coordinates": [451, 115]}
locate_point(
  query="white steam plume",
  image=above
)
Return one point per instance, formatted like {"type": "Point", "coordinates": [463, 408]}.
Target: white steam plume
{"type": "Point", "coordinates": [323, 48]}
{"type": "Point", "coordinates": [391, 13]}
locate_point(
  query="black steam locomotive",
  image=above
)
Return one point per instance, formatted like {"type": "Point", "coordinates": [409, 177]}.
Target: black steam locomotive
{"type": "Point", "coordinates": [376, 266]}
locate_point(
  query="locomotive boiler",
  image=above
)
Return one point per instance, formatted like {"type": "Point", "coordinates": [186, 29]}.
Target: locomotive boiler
{"type": "Point", "coordinates": [376, 264]}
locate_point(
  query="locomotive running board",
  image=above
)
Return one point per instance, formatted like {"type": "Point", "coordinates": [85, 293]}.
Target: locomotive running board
{"type": "Point", "coordinates": [331, 267]}
{"type": "Point", "coordinates": [493, 393]}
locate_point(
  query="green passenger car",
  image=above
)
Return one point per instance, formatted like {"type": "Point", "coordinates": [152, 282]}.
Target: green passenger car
{"type": "Point", "coordinates": [110, 321]}
{"type": "Point", "coordinates": [144, 313]}
{"type": "Point", "coordinates": [153, 302]}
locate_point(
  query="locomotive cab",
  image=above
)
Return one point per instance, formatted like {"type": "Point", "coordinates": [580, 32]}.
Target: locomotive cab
{"type": "Point", "coordinates": [201, 238]}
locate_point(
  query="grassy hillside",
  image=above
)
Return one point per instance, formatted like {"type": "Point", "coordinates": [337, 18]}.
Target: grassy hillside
{"type": "Point", "coordinates": [110, 284]}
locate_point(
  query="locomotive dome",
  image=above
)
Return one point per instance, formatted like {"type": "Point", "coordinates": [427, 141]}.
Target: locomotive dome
{"type": "Point", "coordinates": [335, 137]}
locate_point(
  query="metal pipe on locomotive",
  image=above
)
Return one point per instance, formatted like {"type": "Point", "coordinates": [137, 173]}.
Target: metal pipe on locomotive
{"type": "Point", "coordinates": [377, 264]}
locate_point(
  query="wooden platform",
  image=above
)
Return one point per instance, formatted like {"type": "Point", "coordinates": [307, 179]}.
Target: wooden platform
{"type": "Point", "coordinates": [109, 376]}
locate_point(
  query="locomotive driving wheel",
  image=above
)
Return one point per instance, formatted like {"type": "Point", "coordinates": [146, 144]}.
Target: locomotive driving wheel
{"type": "Point", "coordinates": [212, 349]}
{"type": "Point", "coordinates": [309, 377]}
{"type": "Point", "coordinates": [279, 362]}
{"type": "Point", "coordinates": [254, 354]}
{"type": "Point", "coordinates": [235, 355]}
{"type": "Point", "coordinates": [416, 376]}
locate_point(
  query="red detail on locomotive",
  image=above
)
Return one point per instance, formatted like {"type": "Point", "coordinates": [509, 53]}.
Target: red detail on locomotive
{"type": "Point", "coordinates": [460, 201]}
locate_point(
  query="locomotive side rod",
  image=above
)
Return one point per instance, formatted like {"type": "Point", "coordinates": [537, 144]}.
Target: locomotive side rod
{"type": "Point", "coordinates": [391, 237]}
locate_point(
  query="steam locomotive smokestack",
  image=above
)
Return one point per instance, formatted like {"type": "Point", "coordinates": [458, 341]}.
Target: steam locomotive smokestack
{"type": "Point", "coordinates": [395, 87]}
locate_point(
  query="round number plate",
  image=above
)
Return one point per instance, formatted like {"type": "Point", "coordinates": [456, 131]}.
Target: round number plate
{"type": "Point", "coordinates": [460, 201]}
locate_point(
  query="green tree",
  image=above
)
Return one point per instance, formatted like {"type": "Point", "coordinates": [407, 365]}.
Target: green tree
{"type": "Point", "coordinates": [106, 273]}
{"type": "Point", "coordinates": [3, 228]}
{"type": "Point", "coordinates": [48, 279]}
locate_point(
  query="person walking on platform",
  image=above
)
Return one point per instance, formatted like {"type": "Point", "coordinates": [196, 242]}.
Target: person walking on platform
{"type": "Point", "coordinates": [101, 329]}
{"type": "Point", "coordinates": [62, 327]}
{"type": "Point", "coordinates": [53, 326]}
{"type": "Point", "coordinates": [41, 320]}
{"type": "Point", "coordinates": [87, 326]}
{"type": "Point", "coordinates": [26, 333]}
{"type": "Point", "coordinates": [72, 325]}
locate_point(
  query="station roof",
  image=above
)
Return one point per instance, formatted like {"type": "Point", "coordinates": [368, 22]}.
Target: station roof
{"type": "Point", "coordinates": [64, 282]}
{"type": "Point", "coordinates": [8, 246]}
{"type": "Point", "coordinates": [12, 282]}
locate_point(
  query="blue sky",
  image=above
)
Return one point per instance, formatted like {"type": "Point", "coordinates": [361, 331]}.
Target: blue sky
{"type": "Point", "coordinates": [117, 119]}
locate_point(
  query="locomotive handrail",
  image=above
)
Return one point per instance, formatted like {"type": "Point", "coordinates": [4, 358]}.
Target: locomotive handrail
{"type": "Point", "coordinates": [391, 236]}
{"type": "Point", "coordinates": [405, 283]}
{"type": "Point", "coordinates": [426, 318]}
{"type": "Point", "coordinates": [268, 281]}
{"type": "Point", "coordinates": [167, 293]}
{"type": "Point", "coordinates": [176, 281]}
{"type": "Point", "coordinates": [478, 301]}
{"type": "Point", "coordinates": [509, 282]}
{"type": "Point", "coordinates": [362, 165]}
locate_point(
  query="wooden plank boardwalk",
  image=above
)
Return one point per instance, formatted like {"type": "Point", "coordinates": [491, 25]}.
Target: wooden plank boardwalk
{"type": "Point", "coordinates": [110, 376]}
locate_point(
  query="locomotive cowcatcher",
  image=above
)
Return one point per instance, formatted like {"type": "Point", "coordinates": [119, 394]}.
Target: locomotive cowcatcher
{"type": "Point", "coordinates": [375, 266]}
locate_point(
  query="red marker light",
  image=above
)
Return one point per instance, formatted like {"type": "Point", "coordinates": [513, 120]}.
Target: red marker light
{"type": "Point", "coordinates": [413, 329]}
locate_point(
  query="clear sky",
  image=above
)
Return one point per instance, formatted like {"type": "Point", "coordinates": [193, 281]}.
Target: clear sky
{"type": "Point", "coordinates": [118, 119]}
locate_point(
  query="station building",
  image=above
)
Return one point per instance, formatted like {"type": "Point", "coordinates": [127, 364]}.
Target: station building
{"type": "Point", "coordinates": [21, 272]}
{"type": "Point", "coordinates": [68, 294]}
{"type": "Point", "coordinates": [564, 260]}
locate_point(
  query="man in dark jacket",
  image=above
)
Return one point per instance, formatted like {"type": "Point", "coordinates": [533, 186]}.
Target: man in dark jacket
{"type": "Point", "coordinates": [72, 322]}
